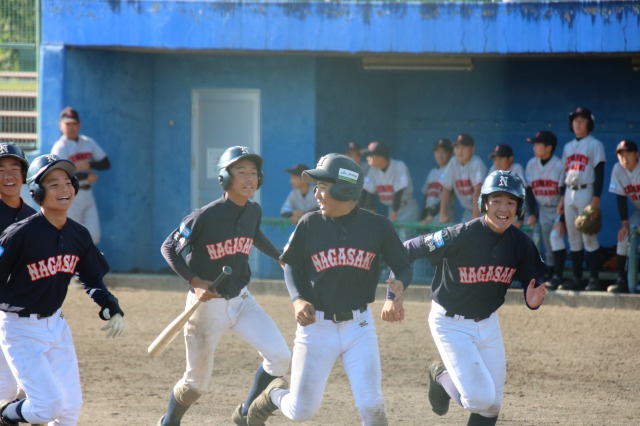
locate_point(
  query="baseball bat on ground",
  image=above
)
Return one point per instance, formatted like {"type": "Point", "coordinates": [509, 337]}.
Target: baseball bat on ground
{"type": "Point", "coordinates": [171, 331]}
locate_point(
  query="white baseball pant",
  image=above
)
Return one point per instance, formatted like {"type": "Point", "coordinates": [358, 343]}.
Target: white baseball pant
{"type": "Point", "coordinates": [575, 200]}
{"type": "Point", "coordinates": [474, 355]}
{"type": "Point", "coordinates": [85, 212]}
{"type": "Point", "coordinates": [244, 317]}
{"type": "Point", "coordinates": [42, 357]}
{"type": "Point", "coordinates": [622, 248]}
{"type": "Point", "coordinates": [317, 347]}
{"type": "Point", "coordinates": [547, 218]}
{"type": "Point", "coordinates": [8, 384]}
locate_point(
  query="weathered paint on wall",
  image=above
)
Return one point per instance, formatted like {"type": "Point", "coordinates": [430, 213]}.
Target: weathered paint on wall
{"type": "Point", "coordinates": [352, 27]}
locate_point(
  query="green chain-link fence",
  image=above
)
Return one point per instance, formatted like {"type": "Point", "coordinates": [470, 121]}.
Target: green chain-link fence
{"type": "Point", "coordinates": [19, 20]}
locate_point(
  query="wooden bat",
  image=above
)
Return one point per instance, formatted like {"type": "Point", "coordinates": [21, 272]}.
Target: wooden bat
{"type": "Point", "coordinates": [170, 332]}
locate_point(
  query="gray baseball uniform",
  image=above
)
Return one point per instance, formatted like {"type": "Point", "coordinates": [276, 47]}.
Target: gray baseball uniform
{"type": "Point", "coordinates": [387, 182]}
{"type": "Point", "coordinates": [580, 159]}
{"type": "Point", "coordinates": [462, 179]}
{"type": "Point", "coordinates": [627, 184]}
{"type": "Point", "coordinates": [545, 181]}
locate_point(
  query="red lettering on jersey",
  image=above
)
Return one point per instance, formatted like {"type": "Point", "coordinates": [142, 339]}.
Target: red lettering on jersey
{"type": "Point", "coordinates": [229, 247]}
{"type": "Point", "coordinates": [81, 156]}
{"type": "Point", "coordinates": [331, 257]}
{"type": "Point", "coordinates": [52, 266]}
{"type": "Point", "coordinates": [576, 162]}
{"type": "Point", "coordinates": [434, 189]}
{"type": "Point", "coordinates": [464, 187]}
{"type": "Point", "coordinates": [342, 256]}
{"type": "Point", "coordinates": [484, 274]}
{"type": "Point", "coordinates": [385, 192]}
{"type": "Point", "coordinates": [543, 187]}
{"type": "Point", "coordinates": [633, 192]}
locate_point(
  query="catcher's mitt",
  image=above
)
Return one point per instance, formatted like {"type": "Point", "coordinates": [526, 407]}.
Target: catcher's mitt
{"type": "Point", "coordinates": [589, 221]}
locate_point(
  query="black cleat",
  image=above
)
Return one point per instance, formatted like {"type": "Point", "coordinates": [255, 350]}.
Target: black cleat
{"type": "Point", "coordinates": [438, 397]}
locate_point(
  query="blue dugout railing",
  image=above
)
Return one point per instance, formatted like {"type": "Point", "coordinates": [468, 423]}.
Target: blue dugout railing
{"type": "Point", "coordinates": [278, 230]}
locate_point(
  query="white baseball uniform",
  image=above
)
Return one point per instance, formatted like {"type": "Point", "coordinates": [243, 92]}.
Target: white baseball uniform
{"type": "Point", "coordinates": [432, 191]}
{"type": "Point", "coordinates": [462, 178]}
{"type": "Point", "coordinates": [627, 184]}
{"type": "Point", "coordinates": [387, 182]}
{"type": "Point", "coordinates": [84, 209]}
{"type": "Point", "coordinates": [580, 159]}
{"type": "Point", "coordinates": [545, 182]}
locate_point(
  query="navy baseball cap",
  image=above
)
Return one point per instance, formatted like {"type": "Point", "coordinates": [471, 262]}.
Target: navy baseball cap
{"type": "Point", "coordinates": [376, 148]}
{"type": "Point", "coordinates": [545, 137]}
{"type": "Point", "coordinates": [627, 145]}
{"type": "Point", "coordinates": [69, 114]}
{"type": "Point", "coordinates": [464, 139]}
{"type": "Point", "coordinates": [297, 169]}
{"type": "Point", "coordinates": [581, 111]}
{"type": "Point", "coordinates": [444, 144]}
{"type": "Point", "coordinates": [502, 150]}
{"type": "Point", "coordinates": [353, 147]}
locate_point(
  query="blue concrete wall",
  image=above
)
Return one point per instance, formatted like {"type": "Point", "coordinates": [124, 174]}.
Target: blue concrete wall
{"type": "Point", "coordinates": [126, 102]}
{"type": "Point", "coordinates": [317, 100]}
{"type": "Point", "coordinates": [401, 27]}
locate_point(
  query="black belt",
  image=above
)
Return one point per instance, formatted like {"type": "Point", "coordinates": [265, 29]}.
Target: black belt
{"type": "Point", "coordinates": [23, 314]}
{"type": "Point", "coordinates": [476, 319]}
{"type": "Point", "coordinates": [85, 186]}
{"type": "Point", "coordinates": [577, 187]}
{"type": "Point", "coordinates": [343, 316]}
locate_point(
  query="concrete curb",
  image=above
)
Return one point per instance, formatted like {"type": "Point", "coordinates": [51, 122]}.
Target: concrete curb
{"type": "Point", "coordinates": [416, 293]}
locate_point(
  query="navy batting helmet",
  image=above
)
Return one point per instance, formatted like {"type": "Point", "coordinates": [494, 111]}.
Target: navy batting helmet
{"type": "Point", "coordinates": [10, 149]}
{"type": "Point", "coordinates": [345, 174]}
{"type": "Point", "coordinates": [502, 181]}
{"type": "Point", "coordinates": [42, 165]}
{"type": "Point", "coordinates": [582, 112]}
{"type": "Point", "coordinates": [233, 155]}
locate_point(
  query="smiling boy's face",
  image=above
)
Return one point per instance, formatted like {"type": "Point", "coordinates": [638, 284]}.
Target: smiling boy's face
{"type": "Point", "coordinates": [59, 192]}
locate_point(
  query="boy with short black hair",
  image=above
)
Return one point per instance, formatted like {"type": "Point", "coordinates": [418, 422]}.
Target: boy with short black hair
{"type": "Point", "coordinates": [465, 174]}
{"type": "Point", "coordinates": [301, 199]}
{"type": "Point", "coordinates": [544, 178]}
{"type": "Point", "coordinates": [216, 235]}
{"type": "Point", "coordinates": [432, 189]}
{"type": "Point", "coordinates": [625, 183]}
{"type": "Point", "coordinates": [38, 257]}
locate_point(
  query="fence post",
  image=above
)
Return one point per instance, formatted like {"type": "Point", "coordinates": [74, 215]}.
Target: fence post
{"type": "Point", "coordinates": [632, 260]}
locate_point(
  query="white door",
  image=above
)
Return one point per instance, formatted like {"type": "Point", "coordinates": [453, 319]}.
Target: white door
{"type": "Point", "coordinates": [221, 118]}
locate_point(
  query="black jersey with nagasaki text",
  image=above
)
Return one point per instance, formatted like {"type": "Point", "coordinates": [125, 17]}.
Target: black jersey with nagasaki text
{"type": "Point", "coordinates": [216, 235]}
{"type": "Point", "coordinates": [474, 266]}
{"type": "Point", "coordinates": [37, 261]}
{"type": "Point", "coordinates": [340, 258]}
{"type": "Point", "coordinates": [9, 215]}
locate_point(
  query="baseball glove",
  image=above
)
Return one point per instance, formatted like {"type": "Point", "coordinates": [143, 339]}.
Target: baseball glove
{"type": "Point", "coordinates": [589, 221]}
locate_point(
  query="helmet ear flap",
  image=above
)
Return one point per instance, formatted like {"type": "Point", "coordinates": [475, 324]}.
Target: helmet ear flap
{"type": "Point", "coordinates": [75, 183]}
{"type": "Point", "coordinates": [224, 178]}
{"type": "Point", "coordinates": [37, 193]}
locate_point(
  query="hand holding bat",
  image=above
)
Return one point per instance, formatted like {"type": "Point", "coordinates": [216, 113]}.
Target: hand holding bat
{"type": "Point", "coordinates": [171, 331]}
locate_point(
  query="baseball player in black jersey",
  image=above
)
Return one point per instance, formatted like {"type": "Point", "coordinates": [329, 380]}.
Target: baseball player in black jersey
{"type": "Point", "coordinates": [332, 270]}
{"type": "Point", "coordinates": [13, 172]}
{"type": "Point", "coordinates": [468, 287]}
{"type": "Point", "coordinates": [38, 257]}
{"type": "Point", "coordinates": [216, 235]}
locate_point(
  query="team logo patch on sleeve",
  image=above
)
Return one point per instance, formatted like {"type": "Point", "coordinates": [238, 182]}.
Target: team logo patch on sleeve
{"type": "Point", "coordinates": [184, 230]}
{"type": "Point", "coordinates": [438, 239]}
{"type": "Point", "coordinates": [348, 175]}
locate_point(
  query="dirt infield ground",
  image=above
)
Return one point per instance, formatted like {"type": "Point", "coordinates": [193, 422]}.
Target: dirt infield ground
{"type": "Point", "coordinates": [566, 366]}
